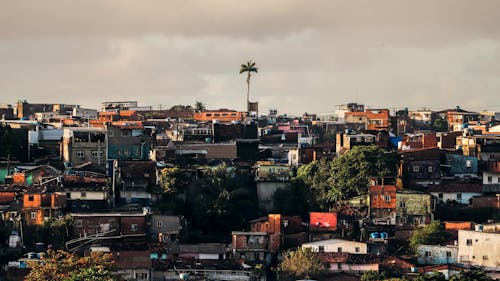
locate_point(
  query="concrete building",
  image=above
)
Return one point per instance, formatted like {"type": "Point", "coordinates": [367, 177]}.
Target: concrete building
{"type": "Point", "coordinates": [81, 145]}
{"type": "Point", "coordinates": [437, 254]}
{"type": "Point", "coordinates": [337, 245]}
{"type": "Point", "coordinates": [476, 248]}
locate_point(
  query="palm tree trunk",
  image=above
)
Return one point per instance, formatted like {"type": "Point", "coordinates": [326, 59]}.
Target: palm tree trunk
{"type": "Point", "coordinates": [248, 93]}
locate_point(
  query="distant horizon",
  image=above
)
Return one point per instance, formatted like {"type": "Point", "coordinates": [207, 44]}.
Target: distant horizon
{"type": "Point", "coordinates": [261, 112]}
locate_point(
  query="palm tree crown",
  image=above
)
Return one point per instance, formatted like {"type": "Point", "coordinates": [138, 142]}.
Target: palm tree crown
{"type": "Point", "coordinates": [249, 67]}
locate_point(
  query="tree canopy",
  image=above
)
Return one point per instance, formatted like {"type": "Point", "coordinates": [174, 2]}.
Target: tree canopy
{"type": "Point", "coordinates": [348, 175]}
{"type": "Point", "coordinates": [430, 234]}
{"type": "Point", "coordinates": [301, 263]}
{"type": "Point", "coordinates": [63, 266]}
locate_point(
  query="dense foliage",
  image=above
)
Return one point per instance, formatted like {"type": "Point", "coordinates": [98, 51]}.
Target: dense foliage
{"type": "Point", "coordinates": [431, 234]}
{"type": "Point", "coordinates": [347, 176]}
{"type": "Point", "coordinates": [63, 266]}
{"type": "Point", "coordinates": [300, 264]}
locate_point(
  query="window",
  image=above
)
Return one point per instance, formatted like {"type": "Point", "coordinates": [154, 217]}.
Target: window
{"type": "Point", "coordinates": [492, 156]}
{"type": "Point", "coordinates": [459, 196]}
{"type": "Point", "coordinates": [83, 194]}
{"type": "Point", "coordinates": [133, 227]}
{"type": "Point", "coordinates": [387, 198]}
{"type": "Point", "coordinates": [339, 249]}
{"type": "Point", "coordinates": [80, 154]}
{"type": "Point", "coordinates": [416, 169]}
{"type": "Point", "coordinates": [356, 249]}
{"type": "Point", "coordinates": [428, 254]}
{"type": "Point", "coordinates": [448, 254]}
{"type": "Point", "coordinates": [97, 154]}
{"type": "Point", "coordinates": [440, 195]}
{"type": "Point", "coordinates": [485, 257]}
{"type": "Point", "coordinates": [68, 195]}
{"type": "Point", "coordinates": [468, 163]}
{"type": "Point", "coordinates": [490, 179]}
{"type": "Point", "coordinates": [141, 276]}
{"type": "Point", "coordinates": [402, 204]}
{"type": "Point", "coordinates": [498, 180]}
{"type": "Point", "coordinates": [429, 169]}
{"type": "Point", "coordinates": [321, 248]}
{"type": "Point", "coordinates": [32, 215]}
{"type": "Point", "coordinates": [31, 198]}
{"type": "Point", "coordinates": [469, 242]}
{"type": "Point", "coordinates": [78, 223]}
{"type": "Point", "coordinates": [159, 223]}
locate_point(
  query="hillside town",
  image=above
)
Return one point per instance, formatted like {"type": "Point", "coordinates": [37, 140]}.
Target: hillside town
{"type": "Point", "coordinates": [190, 193]}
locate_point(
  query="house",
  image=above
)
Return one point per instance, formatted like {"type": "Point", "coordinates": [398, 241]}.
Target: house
{"type": "Point", "coordinates": [222, 115]}
{"type": "Point", "coordinates": [491, 176]}
{"type": "Point", "coordinates": [374, 119]}
{"type": "Point", "coordinates": [283, 231]}
{"type": "Point", "coordinates": [201, 251]}
{"type": "Point", "coordinates": [137, 178]}
{"type": "Point", "coordinates": [421, 117]}
{"type": "Point", "coordinates": [437, 254]}
{"type": "Point", "coordinates": [459, 192]}
{"type": "Point", "coordinates": [418, 140]}
{"type": "Point", "coordinates": [84, 144]}
{"type": "Point", "coordinates": [349, 263]}
{"type": "Point", "coordinates": [133, 265]}
{"type": "Point", "coordinates": [128, 140]}
{"type": "Point", "coordinates": [486, 202]}
{"type": "Point", "coordinates": [413, 207]}
{"type": "Point", "coordinates": [480, 249]}
{"type": "Point", "coordinates": [269, 178]}
{"type": "Point", "coordinates": [346, 142]}
{"type": "Point", "coordinates": [448, 270]}
{"type": "Point", "coordinates": [338, 246]}
{"type": "Point", "coordinates": [33, 175]}
{"type": "Point", "coordinates": [108, 229]}
{"type": "Point", "coordinates": [37, 206]}
{"type": "Point", "coordinates": [461, 166]}
{"type": "Point", "coordinates": [85, 193]}
{"type": "Point", "coordinates": [322, 225]}
{"type": "Point", "coordinates": [382, 203]}
{"type": "Point", "coordinates": [250, 246]}
{"type": "Point", "coordinates": [164, 228]}
{"type": "Point", "coordinates": [447, 140]}
{"type": "Point", "coordinates": [420, 167]}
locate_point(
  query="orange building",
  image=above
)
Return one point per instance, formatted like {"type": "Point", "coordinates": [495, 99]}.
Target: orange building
{"type": "Point", "coordinates": [374, 119]}
{"type": "Point", "coordinates": [222, 115]}
{"type": "Point", "coordinates": [39, 206]}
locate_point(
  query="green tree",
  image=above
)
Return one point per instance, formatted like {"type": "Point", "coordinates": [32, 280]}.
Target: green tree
{"type": "Point", "coordinates": [373, 275]}
{"type": "Point", "coordinates": [435, 276]}
{"type": "Point", "coordinates": [63, 266]}
{"type": "Point", "coordinates": [249, 67]}
{"type": "Point", "coordinates": [301, 263]}
{"type": "Point", "coordinates": [173, 180]}
{"type": "Point", "coordinates": [199, 106]}
{"type": "Point", "coordinates": [475, 274]}
{"type": "Point", "coordinates": [347, 176]}
{"type": "Point", "coordinates": [294, 200]}
{"type": "Point", "coordinates": [431, 234]}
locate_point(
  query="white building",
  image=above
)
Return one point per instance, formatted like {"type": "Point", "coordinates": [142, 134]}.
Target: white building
{"type": "Point", "coordinates": [337, 245]}
{"type": "Point", "coordinates": [477, 248]}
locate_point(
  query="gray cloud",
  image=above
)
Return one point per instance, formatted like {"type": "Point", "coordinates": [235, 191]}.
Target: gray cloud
{"type": "Point", "coordinates": [312, 55]}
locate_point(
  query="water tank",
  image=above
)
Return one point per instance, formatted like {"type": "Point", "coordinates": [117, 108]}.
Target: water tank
{"type": "Point", "coordinates": [384, 235]}
{"type": "Point", "coordinates": [375, 235]}
{"type": "Point", "coordinates": [478, 227]}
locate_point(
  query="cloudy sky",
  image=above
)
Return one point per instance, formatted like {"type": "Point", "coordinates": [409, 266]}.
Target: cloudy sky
{"type": "Point", "coordinates": [312, 55]}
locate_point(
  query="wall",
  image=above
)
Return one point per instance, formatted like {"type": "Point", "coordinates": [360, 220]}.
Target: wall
{"type": "Point", "coordinates": [332, 245]}
{"type": "Point", "coordinates": [350, 267]}
{"type": "Point", "coordinates": [437, 254]}
{"type": "Point", "coordinates": [483, 249]}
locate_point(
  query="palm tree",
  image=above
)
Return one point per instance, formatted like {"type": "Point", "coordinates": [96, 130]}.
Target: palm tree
{"type": "Point", "coordinates": [249, 67]}
{"type": "Point", "coordinates": [199, 106]}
